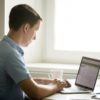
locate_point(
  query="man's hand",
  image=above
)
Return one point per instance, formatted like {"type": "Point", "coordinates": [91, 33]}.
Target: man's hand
{"type": "Point", "coordinates": [67, 84]}
{"type": "Point", "coordinates": [59, 84]}
{"type": "Point", "coordinates": [46, 81]}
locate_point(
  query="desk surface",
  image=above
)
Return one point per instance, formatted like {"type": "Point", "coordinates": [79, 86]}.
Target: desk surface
{"type": "Point", "coordinates": [59, 96]}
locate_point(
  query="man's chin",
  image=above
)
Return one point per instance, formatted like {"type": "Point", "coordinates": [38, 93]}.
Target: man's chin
{"type": "Point", "coordinates": [25, 45]}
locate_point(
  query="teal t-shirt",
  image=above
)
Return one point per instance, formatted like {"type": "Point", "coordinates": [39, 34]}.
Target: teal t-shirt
{"type": "Point", "coordinates": [12, 70]}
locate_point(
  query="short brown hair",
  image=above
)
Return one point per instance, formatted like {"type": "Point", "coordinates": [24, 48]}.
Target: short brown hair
{"type": "Point", "coordinates": [22, 14]}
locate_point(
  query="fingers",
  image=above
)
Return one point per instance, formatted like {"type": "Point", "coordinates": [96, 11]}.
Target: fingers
{"type": "Point", "coordinates": [60, 84]}
{"type": "Point", "coordinates": [67, 83]}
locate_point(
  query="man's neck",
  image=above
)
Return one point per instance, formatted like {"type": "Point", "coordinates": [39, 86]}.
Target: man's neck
{"type": "Point", "coordinates": [14, 35]}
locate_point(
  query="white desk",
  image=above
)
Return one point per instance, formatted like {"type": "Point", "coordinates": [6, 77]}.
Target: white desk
{"type": "Point", "coordinates": [69, 97]}
{"type": "Point", "coordinates": [59, 96]}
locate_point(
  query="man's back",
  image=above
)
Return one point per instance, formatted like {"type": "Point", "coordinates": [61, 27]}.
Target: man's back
{"type": "Point", "coordinates": [9, 89]}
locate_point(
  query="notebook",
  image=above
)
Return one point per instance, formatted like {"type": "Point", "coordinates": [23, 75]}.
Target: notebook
{"type": "Point", "coordinates": [86, 77]}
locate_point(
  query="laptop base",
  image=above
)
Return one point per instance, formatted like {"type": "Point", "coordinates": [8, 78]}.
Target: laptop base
{"type": "Point", "coordinates": [74, 90]}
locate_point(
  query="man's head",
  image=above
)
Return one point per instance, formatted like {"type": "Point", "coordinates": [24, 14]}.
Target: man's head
{"type": "Point", "coordinates": [24, 21]}
{"type": "Point", "coordinates": [22, 14]}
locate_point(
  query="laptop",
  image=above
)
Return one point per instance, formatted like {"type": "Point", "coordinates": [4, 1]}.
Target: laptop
{"type": "Point", "coordinates": [86, 77]}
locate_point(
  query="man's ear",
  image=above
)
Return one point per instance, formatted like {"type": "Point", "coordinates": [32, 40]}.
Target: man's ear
{"type": "Point", "coordinates": [26, 28]}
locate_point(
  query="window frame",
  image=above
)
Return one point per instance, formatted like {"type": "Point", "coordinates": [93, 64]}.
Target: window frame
{"type": "Point", "coordinates": [57, 56]}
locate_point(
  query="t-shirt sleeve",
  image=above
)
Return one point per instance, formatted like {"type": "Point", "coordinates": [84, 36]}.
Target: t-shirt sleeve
{"type": "Point", "coordinates": [16, 68]}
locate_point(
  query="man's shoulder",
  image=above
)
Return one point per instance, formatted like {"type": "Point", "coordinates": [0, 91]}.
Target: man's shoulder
{"type": "Point", "coordinates": [5, 48]}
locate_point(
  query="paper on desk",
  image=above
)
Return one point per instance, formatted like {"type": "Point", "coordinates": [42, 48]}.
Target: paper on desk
{"type": "Point", "coordinates": [96, 96]}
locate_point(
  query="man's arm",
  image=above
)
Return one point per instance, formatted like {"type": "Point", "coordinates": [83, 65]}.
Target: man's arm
{"type": "Point", "coordinates": [38, 91]}
{"type": "Point", "coordinates": [46, 81]}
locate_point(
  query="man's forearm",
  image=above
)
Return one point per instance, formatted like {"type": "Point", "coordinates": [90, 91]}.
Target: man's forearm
{"type": "Point", "coordinates": [46, 90]}
{"type": "Point", "coordinates": [43, 81]}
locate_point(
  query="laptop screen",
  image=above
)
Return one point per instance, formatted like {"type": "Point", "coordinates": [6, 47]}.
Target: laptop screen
{"type": "Point", "coordinates": [88, 72]}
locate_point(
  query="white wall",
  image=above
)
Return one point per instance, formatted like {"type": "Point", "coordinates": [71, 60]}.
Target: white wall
{"type": "Point", "coordinates": [33, 53]}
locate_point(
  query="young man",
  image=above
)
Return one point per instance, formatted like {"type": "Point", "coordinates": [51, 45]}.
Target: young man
{"type": "Point", "coordinates": [15, 78]}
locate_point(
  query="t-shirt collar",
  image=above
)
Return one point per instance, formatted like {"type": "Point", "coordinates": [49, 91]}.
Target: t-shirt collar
{"type": "Point", "coordinates": [13, 44]}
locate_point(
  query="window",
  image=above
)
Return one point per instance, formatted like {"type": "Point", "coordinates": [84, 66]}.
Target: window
{"type": "Point", "coordinates": [77, 25]}
{"type": "Point", "coordinates": [72, 28]}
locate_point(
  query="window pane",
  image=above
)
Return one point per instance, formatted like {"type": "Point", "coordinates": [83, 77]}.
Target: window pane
{"type": "Point", "coordinates": [77, 25]}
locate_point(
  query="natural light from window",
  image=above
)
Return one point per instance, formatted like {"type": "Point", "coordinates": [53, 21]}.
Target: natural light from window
{"type": "Point", "coordinates": [77, 25]}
